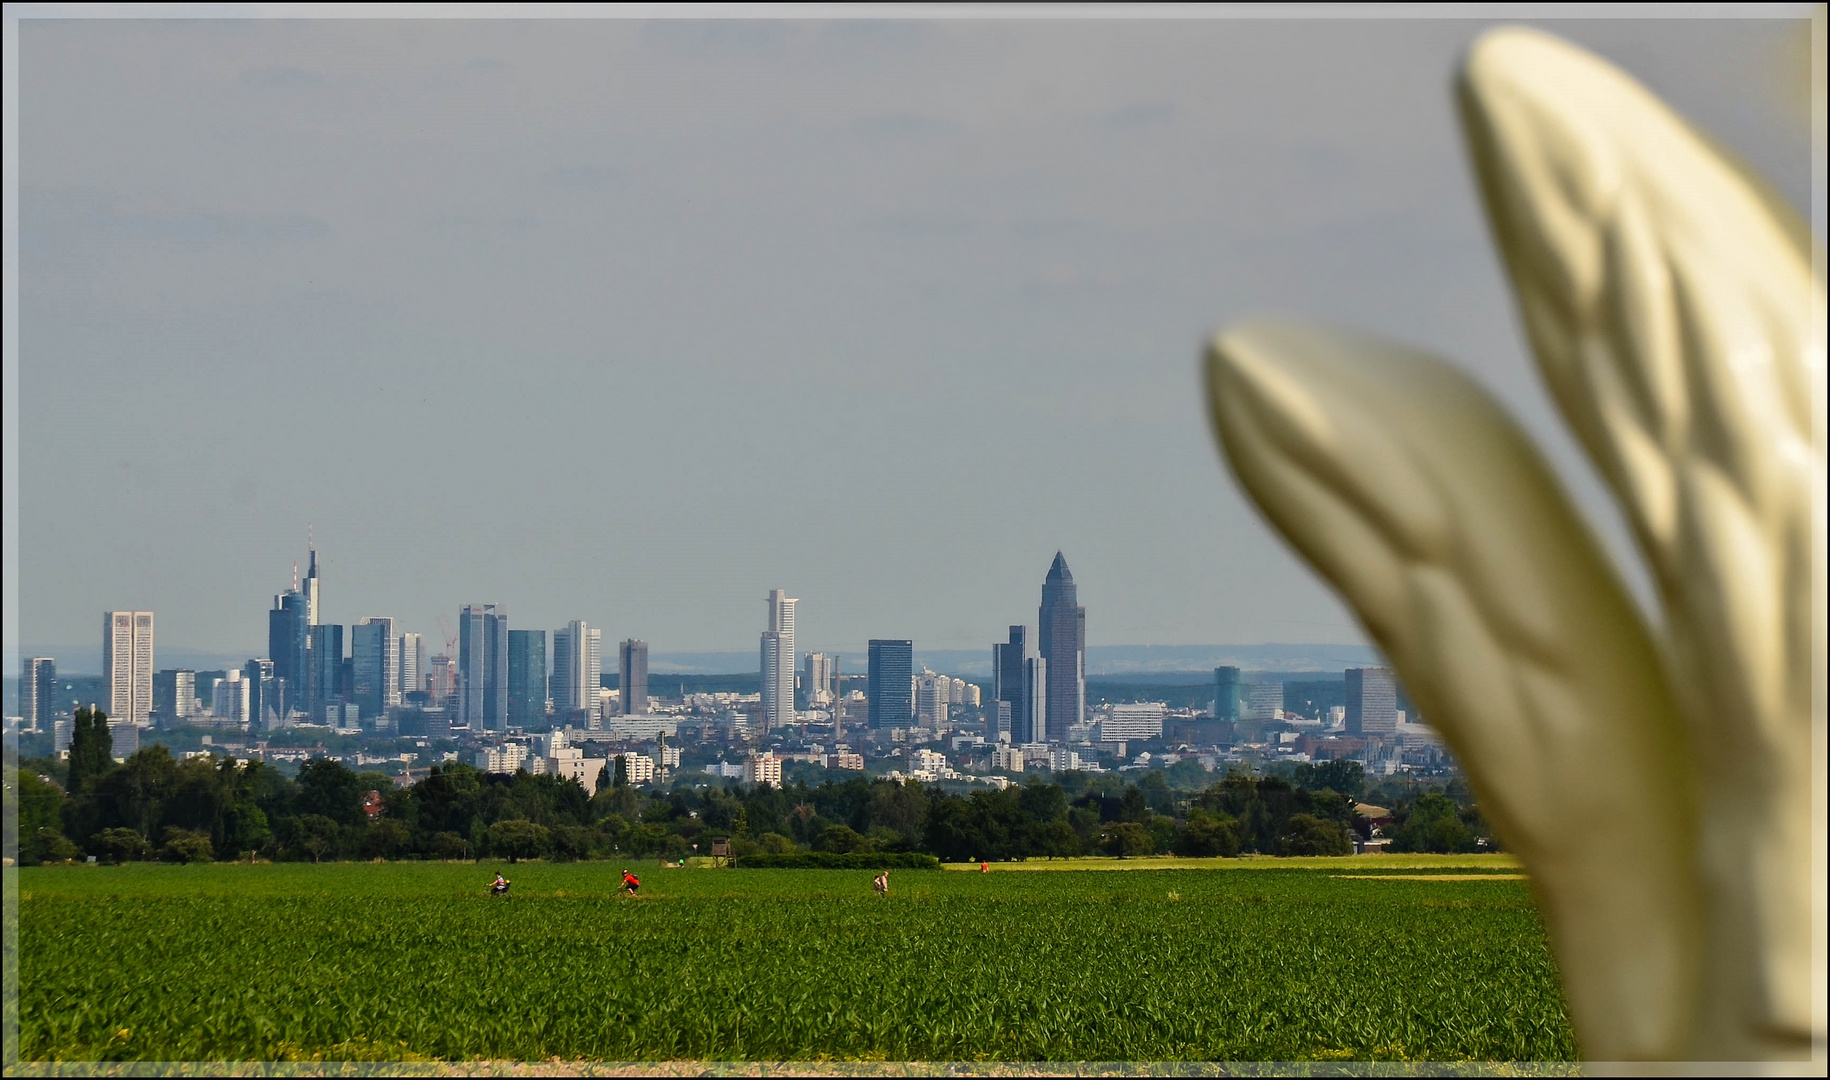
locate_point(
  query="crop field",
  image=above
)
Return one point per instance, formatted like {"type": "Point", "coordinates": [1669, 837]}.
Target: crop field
{"type": "Point", "coordinates": [1444, 960]}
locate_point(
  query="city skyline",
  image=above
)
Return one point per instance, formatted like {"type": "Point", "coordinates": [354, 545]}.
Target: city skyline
{"type": "Point", "coordinates": [905, 285]}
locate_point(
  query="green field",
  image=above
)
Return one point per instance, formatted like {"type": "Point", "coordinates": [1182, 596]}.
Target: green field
{"type": "Point", "coordinates": [412, 961]}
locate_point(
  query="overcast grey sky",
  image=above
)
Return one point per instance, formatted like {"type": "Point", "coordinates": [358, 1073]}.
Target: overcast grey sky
{"type": "Point", "coordinates": [632, 321]}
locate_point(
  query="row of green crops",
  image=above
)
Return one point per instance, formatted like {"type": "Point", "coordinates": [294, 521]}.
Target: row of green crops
{"type": "Point", "coordinates": [412, 960]}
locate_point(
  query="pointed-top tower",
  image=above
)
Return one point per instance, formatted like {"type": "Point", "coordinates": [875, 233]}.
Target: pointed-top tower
{"type": "Point", "coordinates": [1062, 641]}
{"type": "Point", "coordinates": [311, 579]}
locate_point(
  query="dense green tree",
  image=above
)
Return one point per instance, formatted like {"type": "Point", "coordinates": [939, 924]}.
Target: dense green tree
{"type": "Point", "coordinates": [1347, 778]}
{"type": "Point", "coordinates": [841, 838]}
{"type": "Point", "coordinates": [1127, 838]}
{"type": "Point", "coordinates": [1207, 834]}
{"type": "Point", "coordinates": [329, 789]}
{"type": "Point", "coordinates": [39, 801]}
{"type": "Point", "coordinates": [1433, 823]}
{"type": "Point", "coordinates": [518, 839]}
{"type": "Point", "coordinates": [1310, 835]}
{"type": "Point", "coordinates": [46, 846]}
{"type": "Point", "coordinates": [118, 845]}
{"type": "Point", "coordinates": [386, 839]}
{"type": "Point", "coordinates": [91, 747]}
{"type": "Point", "coordinates": [571, 843]}
{"type": "Point", "coordinates": [314, 835]}
{"type": "Point", "coordinates": [186, 846]}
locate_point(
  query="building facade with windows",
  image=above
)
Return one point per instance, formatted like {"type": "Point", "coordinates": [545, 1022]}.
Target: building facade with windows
{"type": "Point", "coordinates": [1061, 638]}
{"type": "Point", "coordinates": [889, 678]}
{"type": "Point", "coordinates": [127, 661]}
{"type": "Point", "coordinates": [778, 662]}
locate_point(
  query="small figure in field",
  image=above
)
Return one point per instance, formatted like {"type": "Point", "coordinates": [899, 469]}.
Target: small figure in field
{"type": "Point", "coordinates": [984, 867]}
{"type": "Point", "coordinates": [881, 883]}
{"type": "Point", "coordinates": [499, 887]}
{"type": "Point", "coordinates": [630, 883]}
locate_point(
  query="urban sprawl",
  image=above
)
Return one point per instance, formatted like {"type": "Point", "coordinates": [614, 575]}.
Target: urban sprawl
{"type": "Point", "coordinates": [507, 700]}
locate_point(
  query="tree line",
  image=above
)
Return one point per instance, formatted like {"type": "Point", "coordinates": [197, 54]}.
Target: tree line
{"type": "Point", "coordinates": [154, 806]}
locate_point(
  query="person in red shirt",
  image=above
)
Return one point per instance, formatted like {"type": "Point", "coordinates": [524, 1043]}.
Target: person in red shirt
{"type": "Point", "coordinates": [984, 867]}
{"type": "Point", "coordinates": [630, 883]}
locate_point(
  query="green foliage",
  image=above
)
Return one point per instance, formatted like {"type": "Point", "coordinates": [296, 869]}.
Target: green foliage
{"type": "Point", "coordinates": [275, 962]}
{"type": "Point", "coordinates": [1208, 834]}
{"type": "Point", "coordinates": [1315, 836]}
{"type": "Point", "coordinates": [1126, 838]}
{"type": "Point", "coordinates": [454, 813]}
{"type": "Point", "coordinates": [119, 846]}
{"type": "Point", "coordinates": [1433, 824]}
{"type": "Point", "coordinates": [46, 846]}
{"type": "Point", "coordinates": [516, 840]}
{"type": "Point", "coordinates": [186, 846]}
{"type": "Point", "coordinates": [833, 860]}
{"type": "Point", "coordinates": [1348, 778]}
{"type": "Point", "coordinates": [91, 747]}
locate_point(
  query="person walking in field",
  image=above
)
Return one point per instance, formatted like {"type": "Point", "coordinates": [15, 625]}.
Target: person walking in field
{"type": "Point", "coordinates": [984, 867]}
{"type": "Point", "coordinates": [881, 883]}
{"type": "Point", "coordinates": [630, 883]}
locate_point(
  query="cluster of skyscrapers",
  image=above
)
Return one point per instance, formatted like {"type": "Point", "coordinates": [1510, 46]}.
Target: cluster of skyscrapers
{"type": "Point", "coordinates": [498, 677]}
{"type": "Point", "coordinates": [493, 678]}
{"type": "Point", "coordinates": [1037, 695]}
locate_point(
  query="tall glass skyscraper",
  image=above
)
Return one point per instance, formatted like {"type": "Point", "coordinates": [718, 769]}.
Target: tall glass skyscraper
{"type": "Point", "coordinates": [778, 662]}
{"type": "Point", "coordinates": [289, 647]}
{"type": "Point", "coordinates": [890, 683]}
{"type": "Point", "coordinates": [374, 666]}
{"type": "Point", "coordinates": [1062, 637]}
{"type": "Point", "coordinates": [482, 672]}
{"type": "Point", "coordinates": [527, 678]}
{"type": "Point", "coordinates": [1226, 693]}
{"type": "Point", "coordinates": [1009, 700]}
{"type": "Point", "coordinates": [324, 682]}
{"type": "Point", "coordinates": [632, 671]}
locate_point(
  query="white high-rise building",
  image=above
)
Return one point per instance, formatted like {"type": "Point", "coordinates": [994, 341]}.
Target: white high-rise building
{"type": "Point", "coordinates": [818, 678]}
{"type": "Point", "coordinates": [412, 663]}
{"type": "Point", "coordinates": [577, 668]}
{"type": "Point", "coordinates": [932, 695]}
{"type": "Point", "coordinates": [230, 697]}
{"type": "Point", "coordinates": [778, 662]}
{"type": "Point", "coordinates": [127, 658]}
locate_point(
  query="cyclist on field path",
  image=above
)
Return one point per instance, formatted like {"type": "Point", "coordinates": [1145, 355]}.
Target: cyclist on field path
{"type": "Point", "coordinates": [630, 883]}
{"type": "Point", "coordinates": [881, 883]}
{"type": "Point", "coordinates": [499, 887]}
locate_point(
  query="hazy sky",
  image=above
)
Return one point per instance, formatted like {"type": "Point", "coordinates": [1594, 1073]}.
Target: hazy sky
{"type": "Point", "coordinates": [632, 321]}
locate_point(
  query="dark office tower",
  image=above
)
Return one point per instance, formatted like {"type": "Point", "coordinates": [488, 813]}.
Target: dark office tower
{"type": "Point", "coordinates": [289, 646]}
{"type": "Point", "coordinates": [324, 680]}
{"type": "Point", "coordinates": [891, 684]}
{"type": "Point", "coordinates": [632, 670]}
{"type": "Point", "coordinates": [1226, 693]}
{"type": "Point", "coordinates": [1008, 704]}
{"type": "Point", "coordinates": [37, 692]}
{"type": "Point", "coordinates": [1062, 638]}
{"type": "Point", "coordinates": [263, 695]}
{"type": "Point", "coordinates": [1372, 702]}
{"type": "Point", "coordinates": [527, 678]}
{"type": "Point", "coordinates": [483, 667]}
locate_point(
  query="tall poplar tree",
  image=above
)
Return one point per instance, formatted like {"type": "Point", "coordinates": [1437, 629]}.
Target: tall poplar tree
{"type": "Point", "coordinates": [91, 747]}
